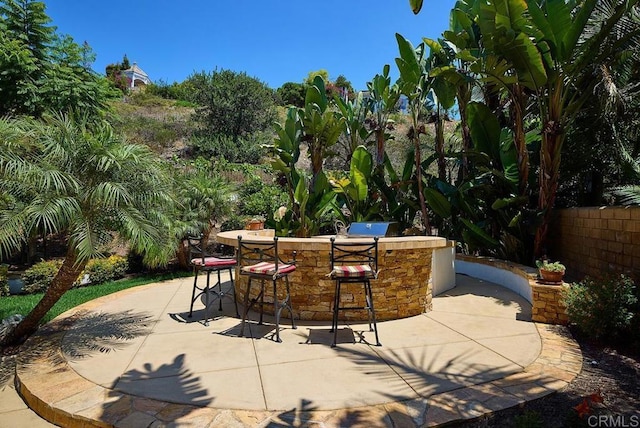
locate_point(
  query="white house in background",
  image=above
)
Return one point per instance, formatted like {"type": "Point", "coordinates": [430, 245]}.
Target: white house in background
{"type": "Point", "coordinates": [136, 77]}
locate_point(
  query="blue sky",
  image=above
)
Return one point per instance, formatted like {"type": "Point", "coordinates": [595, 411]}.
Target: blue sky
{"type": "Point", "coordinates": [275, 41]}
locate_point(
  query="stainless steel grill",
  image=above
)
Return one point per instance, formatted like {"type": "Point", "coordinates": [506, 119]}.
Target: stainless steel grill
{"type": "Point", "coordinates": [371, 229]}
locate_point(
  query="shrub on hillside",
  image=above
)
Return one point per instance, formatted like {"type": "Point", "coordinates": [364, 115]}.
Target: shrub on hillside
{"type": "Point", "coordinates": [248, 149]}
{"type": "Point", "coordinates": [602, 309]}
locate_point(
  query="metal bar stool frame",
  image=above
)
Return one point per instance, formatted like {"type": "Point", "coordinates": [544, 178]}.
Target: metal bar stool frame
{"type": "Point", "coordinates": [354, 262]}
{"type": "Point", "coordinates": [204, 262]}
{"type": "Point", "coordinates": [261, 260]}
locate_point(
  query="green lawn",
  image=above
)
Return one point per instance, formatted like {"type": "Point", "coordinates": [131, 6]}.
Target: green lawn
{"type": "Point", "coordinates": [22, 304]}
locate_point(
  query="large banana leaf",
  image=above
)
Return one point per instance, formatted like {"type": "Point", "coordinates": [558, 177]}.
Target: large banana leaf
{"type": "Point", "coordinates": [437, 202]}
{"type": "Point", "coordinates": [509, 157]}
{"type": "Point", "coordinates": [477, 234]}
{"type": "Point", "coordinates": [485, 129]}
{"type": "Point", "coordinates": [362, 161]}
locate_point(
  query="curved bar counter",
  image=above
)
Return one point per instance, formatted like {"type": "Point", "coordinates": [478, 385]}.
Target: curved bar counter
{"type": "Point", "coordinates": [403, 288]}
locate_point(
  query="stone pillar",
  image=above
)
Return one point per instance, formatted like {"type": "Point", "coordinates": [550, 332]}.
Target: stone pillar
{"type": "Point", "coordinates": [548, 306]}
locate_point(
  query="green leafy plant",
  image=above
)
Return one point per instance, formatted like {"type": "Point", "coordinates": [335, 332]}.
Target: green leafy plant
{"type": "Point", "coordinates": [39, 276]}
{"type": "Point", "coordinates": [309, 199]}
{"type": "Point", "coordinates": [354, 190]}
{"type": "Point", "coordinates": [105, 270]}
{"type": "Point", "coordinates": [602, 308]}
{"type": "Point", "coordinates": [550, 266]}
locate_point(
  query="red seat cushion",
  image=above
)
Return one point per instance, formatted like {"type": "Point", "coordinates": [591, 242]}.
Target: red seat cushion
{"type": "Point", "coordinates": [267, 268]}
{"type": "Point", "coordinates": [353, 271]}
{"type": "Point", "coordinates": [213, 262]}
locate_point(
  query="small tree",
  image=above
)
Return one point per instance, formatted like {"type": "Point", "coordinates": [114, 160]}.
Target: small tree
{"type": "Point", "coordinates": [75, 176]}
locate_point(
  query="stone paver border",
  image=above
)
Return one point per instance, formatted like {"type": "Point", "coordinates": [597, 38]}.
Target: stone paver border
{"type": "Point", "coordinates": [58, 394]}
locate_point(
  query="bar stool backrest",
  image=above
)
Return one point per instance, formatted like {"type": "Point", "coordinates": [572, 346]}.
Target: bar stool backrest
{"type": "Point", "coordinates": [252, 252]}
{"type": "Point", "coordinates": [196, 249]}
{"type": "Point", "coordinates": [357, 252]}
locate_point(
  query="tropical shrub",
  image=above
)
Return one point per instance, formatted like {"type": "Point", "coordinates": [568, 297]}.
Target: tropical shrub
{"type": "Point", "coordinates": [39, 276]}
{"type": "Point", "coordinates": [602, 309]}
{"type": "Point", "coordinates": [233, 222]}
{"type": "Point", "coordinates": [259, 198]}
{"type": "Point", "coordinates": [105, 270]}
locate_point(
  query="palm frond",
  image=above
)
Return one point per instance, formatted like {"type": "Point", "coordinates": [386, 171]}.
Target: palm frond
{"type": "Point", "coordinates": [627, 195]}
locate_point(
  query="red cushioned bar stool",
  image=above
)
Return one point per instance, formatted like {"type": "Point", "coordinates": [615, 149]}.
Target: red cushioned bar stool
{"type": "Point", "coordinates": [203, 262]}
{"type": "Point", "coordinates": [260, 260]}
{"type": "Point", "coordinates": [354, 261]}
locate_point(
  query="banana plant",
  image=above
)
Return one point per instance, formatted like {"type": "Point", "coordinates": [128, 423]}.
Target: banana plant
{"type": "Point", "coordinates": [383, 98]}
{"type": "Point", "coordinates": [355, 114]}
{"type": "Point", "coordinates": [322, 127]}
{"type": "Point", "coordinates": [415, 84]}
{"type": "Point", "coordinates": [399, 192]}
{"type": "Point", "coordinates": [354, 191]}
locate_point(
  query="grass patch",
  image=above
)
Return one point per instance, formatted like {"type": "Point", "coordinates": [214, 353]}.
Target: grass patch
{"type": "Point", "coordinates": [22, 304]}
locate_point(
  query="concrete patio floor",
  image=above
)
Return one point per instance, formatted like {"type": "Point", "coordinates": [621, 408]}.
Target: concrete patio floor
{"type": "Point", "coordinates": [135, 359]}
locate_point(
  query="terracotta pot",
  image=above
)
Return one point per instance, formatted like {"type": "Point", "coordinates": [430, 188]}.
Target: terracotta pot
{"type": "Point", "coordinates": [550, 276]}
{"type": "Point", "coordinates": [255, 225]}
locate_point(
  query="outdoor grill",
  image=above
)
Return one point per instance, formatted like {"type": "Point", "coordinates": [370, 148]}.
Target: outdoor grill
{"type": "Point", "coordinates": [371, 229]}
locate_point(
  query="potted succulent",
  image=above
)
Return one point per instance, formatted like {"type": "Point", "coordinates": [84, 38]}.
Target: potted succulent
{"type": "Point", "coordinates": [255, 223]}
{"type": "Point", "coordinates": [550, 271]}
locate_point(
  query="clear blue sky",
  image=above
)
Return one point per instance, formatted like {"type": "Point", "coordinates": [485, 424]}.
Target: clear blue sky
{"type": "Point", "coordinates": [275, 41]}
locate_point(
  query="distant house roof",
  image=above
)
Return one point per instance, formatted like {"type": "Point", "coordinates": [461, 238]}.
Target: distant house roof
{"type": "Point", "coordinates": [136, 76]}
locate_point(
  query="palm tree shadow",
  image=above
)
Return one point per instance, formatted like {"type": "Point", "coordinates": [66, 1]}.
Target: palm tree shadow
{"type": "Point", "coordinates": [170, 382]}
{"type": "Point", "coordinates": [83, 333]}
{"type": "Point", "coordinates": [305, 417]}
{"type": "Point", "coordinates": [86, 333]}
{"type": "Point", "coordinates": [428, 372]}
{"type": "Point", "coordinates": [104, 332]}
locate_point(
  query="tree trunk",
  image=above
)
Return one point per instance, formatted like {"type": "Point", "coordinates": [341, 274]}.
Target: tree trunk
{"type": "Point", "coordinates": [418, 161]}
{"type": "Point", "coordinates": [553, 136]}
{"type": "Point", "coordinates": [442, 164]}
{"type": "Point", "coordinates": [182, 254]}
{"type": "Point", "coordinates": [550, 154]}
{"type": "Point", "coordinates": [380, 145]}
{"type": "Point", "coordinates": [463, 101]}
{"type": "Point", "coordinates": [62, 282]}
{"type": "Point", "coordinates": [519, 137]}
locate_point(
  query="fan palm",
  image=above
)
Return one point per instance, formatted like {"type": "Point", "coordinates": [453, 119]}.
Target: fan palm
{"type": "Point", "coordinates": [68, 175]}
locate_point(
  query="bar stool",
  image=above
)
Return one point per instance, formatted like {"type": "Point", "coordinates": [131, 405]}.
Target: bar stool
{"type": "Point", "coordinates": [203, 262]}
{"type": "Point", "coordinates": [260, 260]}
{"type": "Point", "coordinates": [354, 262]}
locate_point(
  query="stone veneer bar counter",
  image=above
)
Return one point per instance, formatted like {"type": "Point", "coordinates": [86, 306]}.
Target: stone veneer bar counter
{"type": "Point", "coordinates": [403, 288]}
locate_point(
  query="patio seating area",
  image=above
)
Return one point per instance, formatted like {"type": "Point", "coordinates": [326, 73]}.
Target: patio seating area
{"type": "Point", "coordinates": [135, 358]}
